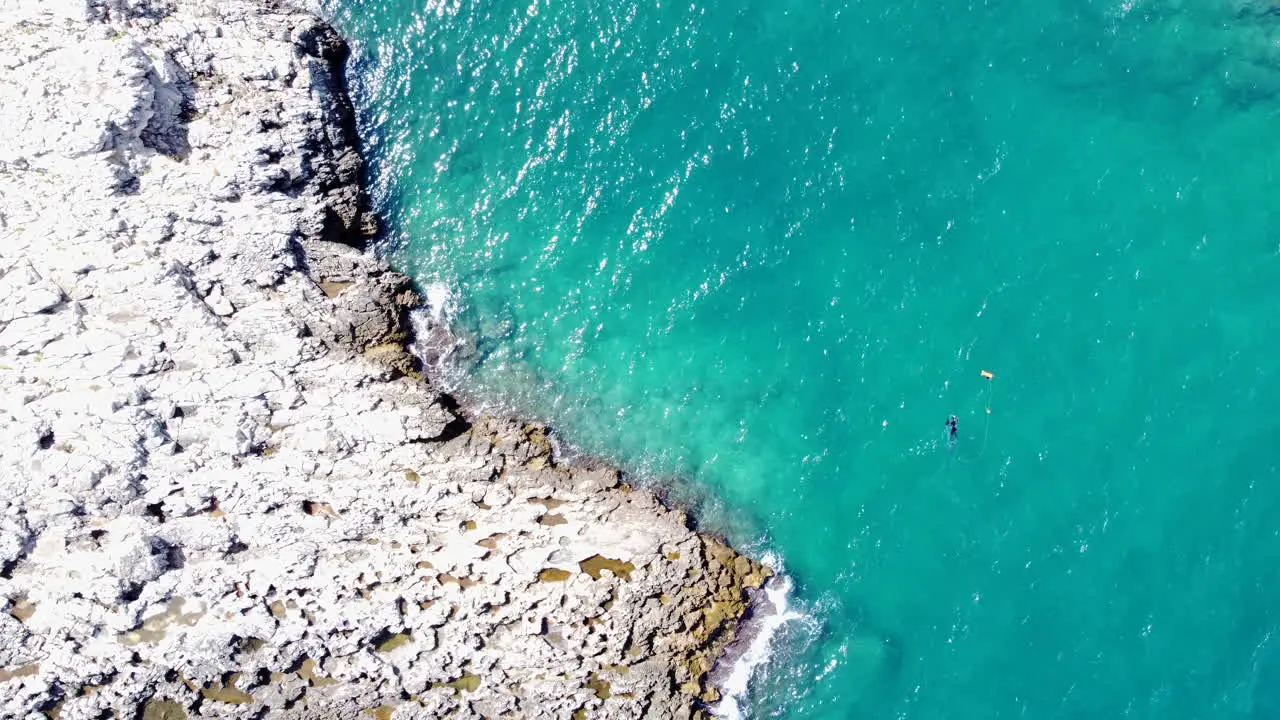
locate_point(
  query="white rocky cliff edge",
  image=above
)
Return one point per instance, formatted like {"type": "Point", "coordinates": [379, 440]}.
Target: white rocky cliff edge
{"type": "Point", "coordinates": [225, 490]}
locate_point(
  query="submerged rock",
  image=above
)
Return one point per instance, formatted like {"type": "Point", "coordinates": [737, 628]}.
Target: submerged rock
{"type": "Point", "coordinates": [226, 487]}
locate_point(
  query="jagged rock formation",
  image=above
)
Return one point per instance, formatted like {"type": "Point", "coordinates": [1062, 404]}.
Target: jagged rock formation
{"type": "Point", "coordinates": [225, 491]}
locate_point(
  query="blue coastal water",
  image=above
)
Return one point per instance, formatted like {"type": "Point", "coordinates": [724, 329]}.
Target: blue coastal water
{"type": "Point", "coordinates": [769, 247]}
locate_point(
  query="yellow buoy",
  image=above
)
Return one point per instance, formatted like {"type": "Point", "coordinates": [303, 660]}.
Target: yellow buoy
{"type": "Point", "coordinates": [987, 375]}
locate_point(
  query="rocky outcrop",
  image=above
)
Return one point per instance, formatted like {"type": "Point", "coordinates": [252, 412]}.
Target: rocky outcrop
{"type": "Point", "coordinates": [225, 490]}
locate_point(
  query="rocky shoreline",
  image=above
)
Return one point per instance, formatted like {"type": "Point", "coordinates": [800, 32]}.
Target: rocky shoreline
{"type": "Point", "coordinates": [226, 488]}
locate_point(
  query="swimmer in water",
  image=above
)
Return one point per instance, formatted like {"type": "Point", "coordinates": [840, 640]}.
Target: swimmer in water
{"type": "Point", "coordinates": [953, 429]}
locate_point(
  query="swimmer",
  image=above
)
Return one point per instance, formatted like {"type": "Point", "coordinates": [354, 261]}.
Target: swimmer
{"type": "Point", "coordinates": [953, 429]}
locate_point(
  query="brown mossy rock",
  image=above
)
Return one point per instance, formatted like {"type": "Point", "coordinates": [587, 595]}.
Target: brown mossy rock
{"type": "Point", "coordinates": [596, 564]}
{"type": "Point", "coordinates": [163, 709]}
{"type": "Point", "coordinates": [722, 596]}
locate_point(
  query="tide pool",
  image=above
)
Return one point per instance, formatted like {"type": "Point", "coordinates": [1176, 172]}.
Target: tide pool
{"type": "Point", "coordinates": [769, 247]}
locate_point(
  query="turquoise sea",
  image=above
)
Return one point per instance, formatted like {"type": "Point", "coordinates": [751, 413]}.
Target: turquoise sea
{"type": "Point", "coordinates": [768, 247]}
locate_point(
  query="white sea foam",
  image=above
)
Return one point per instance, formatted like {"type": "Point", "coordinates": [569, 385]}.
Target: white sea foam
{"type": "Point", "coordinates": [771, 614]}
{"type": "Point", "coordinates": [441, 302]}
{"type": "Point", "coordinates": [433, 342]}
